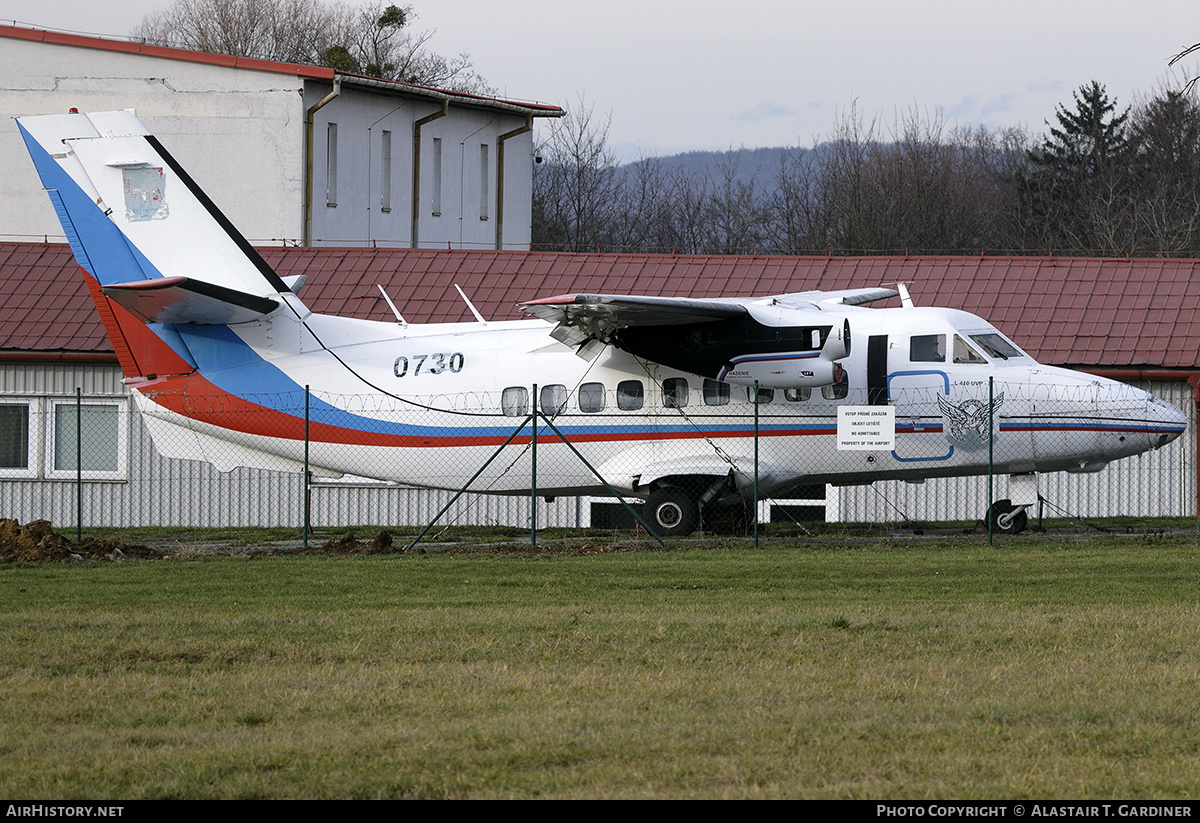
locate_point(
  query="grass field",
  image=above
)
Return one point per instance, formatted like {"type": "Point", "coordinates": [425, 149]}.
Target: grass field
{"type": "Point", "coordinates": [876, 669]}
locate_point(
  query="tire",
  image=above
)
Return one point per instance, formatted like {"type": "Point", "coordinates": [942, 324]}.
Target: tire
{"type": "Point", "coordinates": [1005, 518]}
{"type": "Point", "coordinates": [671, 512]}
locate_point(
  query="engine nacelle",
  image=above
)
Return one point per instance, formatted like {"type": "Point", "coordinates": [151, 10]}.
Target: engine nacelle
{"type": "Point", "coordinates": [786, 370]}
{"type": "Point", "coordinates": [792, 369]}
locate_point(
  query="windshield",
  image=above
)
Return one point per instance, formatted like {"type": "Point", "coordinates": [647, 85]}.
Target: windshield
{"type": "Point", "coordinates": [997, 345]}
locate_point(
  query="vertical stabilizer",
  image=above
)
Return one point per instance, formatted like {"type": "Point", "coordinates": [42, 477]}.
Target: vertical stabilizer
{"type": "Point", "coordinates": [128, 209]}
{"type": "Point", "coordinates": [158, 256]}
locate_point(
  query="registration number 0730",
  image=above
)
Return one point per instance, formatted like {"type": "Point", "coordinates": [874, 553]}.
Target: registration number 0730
{"type": "Point", "coordinates": [435, 363]}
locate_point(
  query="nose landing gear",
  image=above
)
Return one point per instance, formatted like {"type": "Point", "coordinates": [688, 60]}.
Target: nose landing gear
{"type": "Point", "coordinates": [1006, 518]}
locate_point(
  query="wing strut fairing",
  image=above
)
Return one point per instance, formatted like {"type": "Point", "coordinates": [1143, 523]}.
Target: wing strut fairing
{"type": "Point", "coordinates": [786, 341]}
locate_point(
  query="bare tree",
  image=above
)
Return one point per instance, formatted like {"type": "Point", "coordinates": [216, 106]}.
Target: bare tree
{"type": "Point", "coordinates": [576, 189]}
{"type": "Point", "coordinates": [1165, 136]}
{"type": "Point", "coordinates": [374, 39]}
{"type": "Point", "coordinates": [736, 212]}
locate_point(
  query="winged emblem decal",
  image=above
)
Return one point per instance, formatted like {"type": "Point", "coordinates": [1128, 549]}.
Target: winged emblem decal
{"type": "Point", "coordinates": [967, 424]}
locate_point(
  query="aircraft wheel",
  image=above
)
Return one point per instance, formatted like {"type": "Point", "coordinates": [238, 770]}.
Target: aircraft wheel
{"type": "Point", "coordinates": [1007, 518]}
{"type": "Point", "coordinates": [671, 512]}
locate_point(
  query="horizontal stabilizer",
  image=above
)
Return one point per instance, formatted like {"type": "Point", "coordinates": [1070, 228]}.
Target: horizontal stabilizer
{"type": "Point", "coordinates": [184, 300]}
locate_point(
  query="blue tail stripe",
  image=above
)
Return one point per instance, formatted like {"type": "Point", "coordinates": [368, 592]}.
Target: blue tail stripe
{"type": "Point", "coordinates": [113, 258]}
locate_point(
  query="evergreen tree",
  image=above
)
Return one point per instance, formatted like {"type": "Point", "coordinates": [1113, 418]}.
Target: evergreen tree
{"type": "Point", "coordinates": [1077, 188]}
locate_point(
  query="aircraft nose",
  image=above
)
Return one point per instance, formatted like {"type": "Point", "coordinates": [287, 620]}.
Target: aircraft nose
{"type": "Point", "coordinates": [1167, 422]}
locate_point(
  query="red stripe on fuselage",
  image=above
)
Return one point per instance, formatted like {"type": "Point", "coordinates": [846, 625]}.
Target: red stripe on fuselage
{"type": "Point", "coordinates": [195, 398]}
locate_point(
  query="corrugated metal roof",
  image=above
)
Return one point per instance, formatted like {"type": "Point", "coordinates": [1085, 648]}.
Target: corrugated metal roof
{"type": "Point", "coordinates": [1086, 312]}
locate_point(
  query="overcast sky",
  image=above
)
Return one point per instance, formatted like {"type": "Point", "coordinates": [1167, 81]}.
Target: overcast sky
{"type": "Point", "coordinates": [675, 75]}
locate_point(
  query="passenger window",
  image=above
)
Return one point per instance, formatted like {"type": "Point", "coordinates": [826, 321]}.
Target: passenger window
{"type": "Point", "coordinates": [839, 390]}
{"type": "Point", "coordinates": [553, 398]}
{"type": "Point", "coordinates": [797, 395]}
{"type": "Point", "coordinates": [715, 393]}
{"type": "Point", "coordinates": [927, 348]}
{"type": "Point", "coordinates": [963, 353]}
{"type": "Point", "coordinates": [514, 402]}
{"type": "Point", "coordinates": [675, 392]}
{"type": "Point", "coordinates": [764, 395]}
{"type": "Point", "coordinates": [591, 398]}
{"type": "Point", "coordinates": [629, 395]}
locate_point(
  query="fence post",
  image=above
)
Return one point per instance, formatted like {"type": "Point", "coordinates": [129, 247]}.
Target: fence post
{"type": "Point", "coordinates": [78, 465]}
{"type": "Point", "coordinates": [533, 481]}
{"type": "Point", "coordinates": [755, 509]}
{"type": "Point", "coordinates": [991, 455]}
{"type": "Point", "coordinates": [307, 476]}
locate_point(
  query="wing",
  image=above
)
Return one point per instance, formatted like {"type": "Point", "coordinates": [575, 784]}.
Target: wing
{"type": "Point", "coordinates": [780, 341]}
{"type": "Point", "coordinates": [582, 316]}
{"type": "Point", "coordinates": [601, 315]}
{"type": "Point", "coordinates": [846, 297]}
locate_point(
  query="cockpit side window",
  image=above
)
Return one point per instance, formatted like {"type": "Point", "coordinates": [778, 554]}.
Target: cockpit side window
{"type": "Point", "coordinates": [963, 353]}
{"type": "Point", "coordinates": [927, 348]}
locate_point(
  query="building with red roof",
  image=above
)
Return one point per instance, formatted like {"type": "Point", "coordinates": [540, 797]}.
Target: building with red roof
{"type": "Point", "coordinates": [295, 154]}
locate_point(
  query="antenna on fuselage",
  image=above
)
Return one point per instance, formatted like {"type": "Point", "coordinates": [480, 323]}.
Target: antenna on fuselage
{"type": "Point", "coordinates": [905, 299]}
{"type": "Point", "coordinates": [470, 306]}
{"type": "Point", "coordinates": [392, 306]}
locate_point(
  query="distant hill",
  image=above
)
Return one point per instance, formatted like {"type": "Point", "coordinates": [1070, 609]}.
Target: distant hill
{"type": "Point", "coordinates": [762, 162]}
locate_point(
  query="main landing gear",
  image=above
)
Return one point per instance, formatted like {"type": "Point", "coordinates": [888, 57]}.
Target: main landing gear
{"type": "Point", "coordinates": [671, 512]}
{"type": "Point", "coordinates": [674, 507]}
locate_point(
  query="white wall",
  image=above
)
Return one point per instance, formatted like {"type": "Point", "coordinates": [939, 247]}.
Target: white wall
{"type": "Point", "coordinates": [238, 133]}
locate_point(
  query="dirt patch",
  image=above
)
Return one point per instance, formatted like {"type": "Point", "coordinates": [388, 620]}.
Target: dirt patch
{"type": "Point", "coordinates": [348, 544]}
{"type": "Point", "coordinates": [37, 542]}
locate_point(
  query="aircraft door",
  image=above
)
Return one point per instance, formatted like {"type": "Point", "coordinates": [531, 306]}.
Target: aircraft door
{"type": "Point", "coordinates": [914, 391]}
{"type": "Point", "coordinates": [877, 388]}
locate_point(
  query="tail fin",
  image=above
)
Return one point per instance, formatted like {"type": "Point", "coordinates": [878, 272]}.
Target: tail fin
{"type": "Point", "coordinates": [154, 248]}
{"type": "Point", "coordinates": [140, 226]}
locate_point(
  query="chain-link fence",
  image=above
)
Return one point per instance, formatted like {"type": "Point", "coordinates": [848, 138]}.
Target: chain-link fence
{"type": "Point", "coordinates": [702, 453]}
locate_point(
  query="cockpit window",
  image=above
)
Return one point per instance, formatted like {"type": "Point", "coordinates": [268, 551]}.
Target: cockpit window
{"type": "Point", "coordinates": [996, 345]}
{"type": "Point", "coordinates": [927, 348]}
{"type": "Point", "coordinates": [963, 353]}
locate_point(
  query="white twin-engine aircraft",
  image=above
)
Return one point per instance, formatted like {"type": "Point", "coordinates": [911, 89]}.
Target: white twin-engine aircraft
{"type": "Point", "coordinates": [657, 393]}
